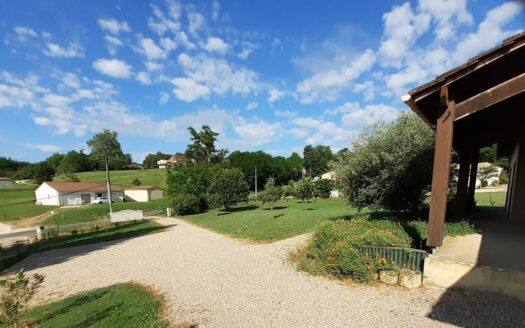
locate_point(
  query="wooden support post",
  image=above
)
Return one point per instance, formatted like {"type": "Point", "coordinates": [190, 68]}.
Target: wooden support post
{"type": "Point", "coordinates": [462, 187]}
{"type": "Point", "coordinates": [472, 179]}
{"type": "Point", "coordinates": [440, 173]}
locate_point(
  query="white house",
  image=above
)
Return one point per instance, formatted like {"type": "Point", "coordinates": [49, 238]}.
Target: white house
{"type": "Point", "coordinates": [5, 182]}
{"type": "Point", "coordinates": [143, 193]}
{"type": "Point", "coordinates": [74, 193]}
{"type": "Point", "coordinates": [170, 162]}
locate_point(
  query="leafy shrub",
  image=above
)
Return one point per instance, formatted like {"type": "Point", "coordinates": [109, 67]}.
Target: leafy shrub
{"type": "Point", "coordinates": [186, 204]}
{"type": "Point", "coordinates": [390, 166]}
{"type": "Point", "coordinates": [17, 292]}
{"type": "Point", "coordinates": [484, 183]}
{"type": "Point", "coordinates": [190, 180]}
{"type": "Point", "coordinates": [271, 193]}
{"type": "Point", "coordinates": [71, 177]}
{"type": "Point", "coordinates": [504, 177]}
{"type": "Point", "coordinates": [304, 190]}
{"type": "Point", "coordinates": [323, 187]}
{"type": "Point", "coordinates": [333, 247]}
{"type": "Point", "coordinates": [136, 182]}
{"type": "Point", "coordinates": [228, 188]}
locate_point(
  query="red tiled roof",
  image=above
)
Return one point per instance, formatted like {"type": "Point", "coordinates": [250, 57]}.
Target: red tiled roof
{"type": "Point", "coordinates": [142, 187]}
{"type": "Point", "coordinates": [80, 186]}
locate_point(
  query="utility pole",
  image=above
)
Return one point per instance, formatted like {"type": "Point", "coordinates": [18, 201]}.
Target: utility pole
{"type": "Point", "coordinates": [255, 181]}
{"type": "Point", "coordinates": [108, 184]}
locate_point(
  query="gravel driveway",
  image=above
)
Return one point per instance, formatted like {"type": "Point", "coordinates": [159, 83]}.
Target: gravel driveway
{"type": "Point", "coordinates": [216, 281]}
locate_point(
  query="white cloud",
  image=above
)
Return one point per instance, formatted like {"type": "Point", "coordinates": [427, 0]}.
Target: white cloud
{"type": "Point", "coordinates": [367, 88]}
{"type": "Point", "coordinates": [112, 43]}
{"type": "Point", "coordinates": [196, 22]}
{"type": "Point", "coordinates": [256, 133]}
{"type": "Point", "coordinates": [188, 89]}
{"type": "Point", "coordinates": [252, 105]}
{"type": "Point", "coordinates": [326, 85]}
{"type": "Point", "coordinates": [274, 95]}
{"type": "Point", "coordinates": [489, 31]}
{"type": "Point", "coordinates": [449, 14]}
{"type": "Point", "coordinates": [162, 23]}
{"type": "Point", "coordinates": [72, 50]}
{"type": "Point", "coordinates": [153, 66]}
{"type": "Point", "coordinates": [215, 10]}
{"type": "Point", "coordinates": [113, 67]}
{"type": "Point", "coordinates": [70, 80]}
{"type": "Point", "coordinates": [43, 147]}
{"type": "Point", "coordinates": [247, 49]}
{"type": "Point", "coordinates": [150, 49]}
{"type": "Point", "coordinates": [113, 26]}
{"type": "Point", "coordinates": [23, 33]}
{"type": "Point", "coordinates": [215, 44]}
{"type": "Point", "coordinates": [205, 75]}
{"type": "Point", "coordinates": [402, 28]}
{"type": "Point", "coordinates": [285, 113]}
{"type": "Point", "coordinates": [143, 78]}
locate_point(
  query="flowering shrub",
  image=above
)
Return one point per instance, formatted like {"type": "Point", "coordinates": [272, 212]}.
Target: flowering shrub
{"type": "Point", "coordinates": [333, 247]}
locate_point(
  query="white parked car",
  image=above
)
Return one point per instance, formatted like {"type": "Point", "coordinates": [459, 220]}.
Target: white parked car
{"type": "Point", "coordinates": [101, 200]}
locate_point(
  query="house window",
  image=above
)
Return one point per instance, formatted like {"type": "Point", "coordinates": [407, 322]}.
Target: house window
{"type": "Point", "coordinates": [99, 194]}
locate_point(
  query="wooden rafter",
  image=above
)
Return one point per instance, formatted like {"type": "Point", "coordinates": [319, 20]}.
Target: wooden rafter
{"type": "Point", "coordinates": [490, 97]}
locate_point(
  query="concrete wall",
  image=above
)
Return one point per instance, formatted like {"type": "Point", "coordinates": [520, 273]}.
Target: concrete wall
{"type": "Point", "coordinates": [448, 274]}
{"type": "Point", "coordinates": [45, 195]}
{"type": "Point", "coordinates": [143, 195]}
{"type": "Point", "coordinates": [156, 194]}
{"type": "Point", "coordinates": [136, 195]}
{"type": "Point", "coordinates": [6, 184]}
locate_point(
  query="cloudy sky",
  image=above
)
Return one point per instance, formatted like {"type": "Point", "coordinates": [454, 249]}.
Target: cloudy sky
{"type": "Point", "coordinates": [270, 75]}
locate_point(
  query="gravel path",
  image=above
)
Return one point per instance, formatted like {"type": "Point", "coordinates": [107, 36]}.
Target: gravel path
{"type": "Point", "coordinates": [216, 281]}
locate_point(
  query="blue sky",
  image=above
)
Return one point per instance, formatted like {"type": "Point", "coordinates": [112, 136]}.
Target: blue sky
{"type": "Point", "coordinates": [270, 75]}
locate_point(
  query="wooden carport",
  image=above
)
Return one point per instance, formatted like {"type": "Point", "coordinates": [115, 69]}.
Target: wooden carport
{"type": "Point", "coordinates": [479, 103]}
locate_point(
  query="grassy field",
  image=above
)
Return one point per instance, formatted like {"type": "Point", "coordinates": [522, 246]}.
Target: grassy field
{"type": "Point", "coordinates": [117, 306]}
{"type": "Point", "coordinates": [119, 232]}
{"type": "Point", "coordinates": [19, 202]}
{"type": "Point", "coordinates": [288, 219]}
{"type": "Point", "coordinates": [155, 177]}
{"type": "Point", "coordinates": [485, 198]}
{"type": "Point", "coordinates": [99, 211]}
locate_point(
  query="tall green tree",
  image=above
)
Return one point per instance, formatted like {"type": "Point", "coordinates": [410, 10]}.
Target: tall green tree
{"type": "Point", "coordinates": [55, 160]}
{"type": "Point", "coordinates": [304, 190]}
{"type": "Point", "coordinates": [42, 172]}
{"type": "Point", "coordinates": [272, 193]}
{"type": "Point", "coordinates": [203, 147]}
{"type": "Point", "coordinates": [316, 159]}
{"type": "Point", "coordinates": [228, 188]}
{"type": "Point", "coordinates": [73, 162]}
{"type": "Point", "coordinates": [105, 145]}
{"type": "Point", "coordinates": [390, 165]}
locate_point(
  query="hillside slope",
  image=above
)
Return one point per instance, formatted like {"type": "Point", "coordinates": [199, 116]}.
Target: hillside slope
{"type": "Point", "coordinates": [124, 178]}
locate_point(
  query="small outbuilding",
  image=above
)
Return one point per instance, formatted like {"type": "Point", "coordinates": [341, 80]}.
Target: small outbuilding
{"type": "Point", "coordinates": [5, 182]}
{"type": "Point", "coordinates": [74, 193]}
{"type": "Point", "coordinates": [143, 193]}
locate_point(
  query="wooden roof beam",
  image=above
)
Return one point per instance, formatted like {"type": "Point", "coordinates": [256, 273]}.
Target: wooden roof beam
{"type": "Point", "coordinates": [490, 97]}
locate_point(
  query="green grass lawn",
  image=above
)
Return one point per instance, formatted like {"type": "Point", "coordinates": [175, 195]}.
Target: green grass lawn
{"type": "Point", "coordinates": [288, 219]}
{"type": "Point", "coordinates": [19, 202]}
{"type": "Point", "coordinates": [100, 211]}
{"type": "Point", "coordinates": [485, 198]}
{"type": "Point", "coordinates": [122, 305]}
{"type": "Point", "coordinates": [119, 232]}
{"type": "Point", "coordinates": [155, 177]}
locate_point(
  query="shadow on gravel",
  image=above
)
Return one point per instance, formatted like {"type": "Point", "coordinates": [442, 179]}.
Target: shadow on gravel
{"type": "Point", "coordinates": [478, 309]}
{"type": "Point", "coordinates": [61, 249]}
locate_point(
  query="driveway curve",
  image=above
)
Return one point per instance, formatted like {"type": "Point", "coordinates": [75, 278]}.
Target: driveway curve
{"type": "Point", "coordinates": [215, 281]}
